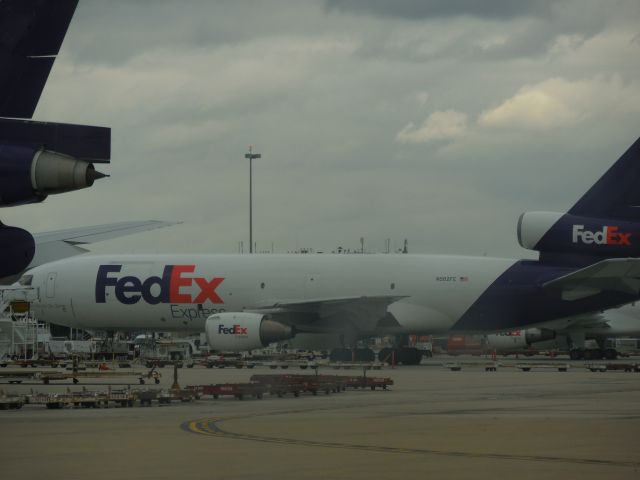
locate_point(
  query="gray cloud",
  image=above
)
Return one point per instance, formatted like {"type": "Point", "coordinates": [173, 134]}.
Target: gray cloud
{"type": "Point", "coordinates": [424, 9]}
{"type": "Point", "coordinates": [187, 86]}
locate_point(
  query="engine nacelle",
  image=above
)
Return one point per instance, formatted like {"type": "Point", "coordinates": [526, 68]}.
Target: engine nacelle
{"type": "Point", "coordinates": [17, 249]}
{"type": "Point", "coordinates": [42, 158]}
{"type": "Point", "coordinates": [532, 226]}
{"type": "Point", "coordinates": [506, 341]}
{"type": "Point", "coordinates": [519, 339]}
{"type": "Point", "coordinates": [237, 332]}
{"type": "Point", "coordinates": [552, 232]}
{"type": "Point", "coordinates": [28, 174]}
{"type": "Point", "coordinates": [533, 335]}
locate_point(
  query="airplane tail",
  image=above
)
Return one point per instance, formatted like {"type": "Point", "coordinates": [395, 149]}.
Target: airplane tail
{"type": "Point", "coordinates": [617, 193]}
{"type": "Point", "coordinates": [32, 33]}
{"type": "Point", "coordinates": [604, 222]}
{"type": "Point", "coordinates": [37, 158]}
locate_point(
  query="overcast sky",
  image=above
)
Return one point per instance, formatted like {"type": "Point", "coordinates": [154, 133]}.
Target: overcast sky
{"type": "Point", "coordinates": [433, 120]}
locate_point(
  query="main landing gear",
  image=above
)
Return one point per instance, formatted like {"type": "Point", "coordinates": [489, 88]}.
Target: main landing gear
{"type": "Point", "coordinates": [403, 355]}
{"type": "Point", "coordinates": [593, 354]}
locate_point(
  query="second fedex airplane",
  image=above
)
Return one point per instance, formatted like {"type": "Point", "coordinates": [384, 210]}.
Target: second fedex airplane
{"type": "Point", "coordinates": [586, 265]}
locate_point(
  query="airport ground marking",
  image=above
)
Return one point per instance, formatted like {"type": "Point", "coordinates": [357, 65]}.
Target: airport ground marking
{"type": "Point", "coordinates": [210, 427]}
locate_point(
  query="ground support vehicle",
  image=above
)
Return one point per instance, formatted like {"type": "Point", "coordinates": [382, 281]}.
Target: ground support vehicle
{"type": "Point", "coordinates": [368, 382]}
{"type": "Point", "coordinates": [145, 397]}
{"type": "Point", "coordinates": [184, 395]}
{"type": "Point", "coordinates": [34, 363]}
{"type": "Point", "coordinates": [603, 367]}
{"type": "Point", "coordinates": [280, 385]}
{"type": "Point", "coordinates": [194, 391]}
{"type": "Point", "coordinates": [84, 399]}
{"type": "Point", "coordinates": [231, 363]}
{"type": "Point", "coordinates": [352, 365]}
{"type": "Point", "coordinates": [526, 367]}
{"type": "Point", "coordinates": [237, 390]}
{"type": "Point", "coordinates": [121, 397]}
{"type": "Point", "coordinates": [11, 402]}
{"type": "Point", "coordinates": [47, 377]}
{"type": "Point", "coordinates": [627, 367]}
{"type": "Point", "coordinates": [162, 362]}
{"type": "Point", "coordinates": [296, 384]}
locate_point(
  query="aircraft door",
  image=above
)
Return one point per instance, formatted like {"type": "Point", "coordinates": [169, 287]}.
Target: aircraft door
{"type": "Point", "coordinates": [51, 284]}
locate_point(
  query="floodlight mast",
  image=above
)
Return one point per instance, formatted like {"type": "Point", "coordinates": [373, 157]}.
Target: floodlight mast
{"type": "Point", "coordinates": [251, 156]}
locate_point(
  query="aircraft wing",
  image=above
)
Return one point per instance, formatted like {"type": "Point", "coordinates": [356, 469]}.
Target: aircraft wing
{"type": "Point", "coordinates": [324, 314]}
{"type": "Point", "coordinates": [31, 33]}
{"type": "Point", "coordinates": [614, 274]}
{"type": "Point", "coordinates": [59, 244]}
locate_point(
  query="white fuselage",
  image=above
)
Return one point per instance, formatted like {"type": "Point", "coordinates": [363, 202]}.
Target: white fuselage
{"type": "Point", "coordinates": [436, 290]}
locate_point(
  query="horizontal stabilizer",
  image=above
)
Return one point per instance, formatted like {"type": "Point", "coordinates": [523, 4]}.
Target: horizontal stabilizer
{"type": "Point", "coordinates": [86, 142]}
{"type": "Point", "coordinates": [611, 275]}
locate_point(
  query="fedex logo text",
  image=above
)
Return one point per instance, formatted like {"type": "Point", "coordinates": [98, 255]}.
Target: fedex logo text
{"type": "Point", "coordinates": [233, 330]}
{"type": "Point", "coordinates": [165, 289]}
{"type": "Point", "coordinates": [512, 333]}
{"type": "Point", "coordinates": [607, 236]}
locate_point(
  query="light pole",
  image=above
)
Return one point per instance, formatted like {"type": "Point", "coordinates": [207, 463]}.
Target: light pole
{"type": "Point", "coordinates": [251, 156]}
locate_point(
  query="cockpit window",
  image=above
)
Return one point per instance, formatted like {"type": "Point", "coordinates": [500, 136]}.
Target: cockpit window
{"type": "Point", "coordinates": [26, 280]}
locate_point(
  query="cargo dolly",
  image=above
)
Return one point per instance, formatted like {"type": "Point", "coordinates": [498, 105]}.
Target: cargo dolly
{"type": "Point", "coordinates": [11, 402]}
{"type": "Point", "coordinates": [237, 390]}
{"type": "Point", "coordinates": [296, 384]}
{"type": "Point", "coordinates": [603, 367]}
{"type": "Point", "coordinates": [281, 385]}
{"type": "Point", "coordinates": [368, 382]}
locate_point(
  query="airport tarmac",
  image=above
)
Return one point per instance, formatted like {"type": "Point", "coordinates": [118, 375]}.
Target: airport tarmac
{"type": "Point", "coordinates": [433, 422]}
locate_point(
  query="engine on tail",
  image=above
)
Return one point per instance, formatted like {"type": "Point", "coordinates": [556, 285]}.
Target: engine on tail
{"type": "Point", "coordinates": [242, 331]}
{"type": "Point", "coordinates": [29, 174]}
{"type": "Point", "coordinates": [38, 159]}
{"type": "Point", "coordinates": [550, 232]}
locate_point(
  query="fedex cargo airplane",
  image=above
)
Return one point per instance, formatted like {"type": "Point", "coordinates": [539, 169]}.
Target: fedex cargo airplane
{"type": "Point", "coordinates": [572, 334]}
{"type": "Point", "coordinates": [586, 265]}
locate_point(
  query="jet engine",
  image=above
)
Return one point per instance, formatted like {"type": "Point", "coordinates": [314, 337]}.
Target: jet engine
{"type": "Point", "coordinates": [42, 158]}
{"type": "Point", "coordinates": [532, 226]}
{"type": "Point", "coordinates": [519, 339]}
{"type": "Point", "coordinates": [28, 174]}
{"type": "Point", "coordinates": [558, 233]}
{"type": "Point", "coordinates": [231, 331]}
{"type": "Point", "coordinates": [17, 249]}
{"type": "Point", "coordinates": [505, 341]}
{"type": "Point", "coordinates": [533, 335]}
{"type": "Point", "coordinates": [39, 159]}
